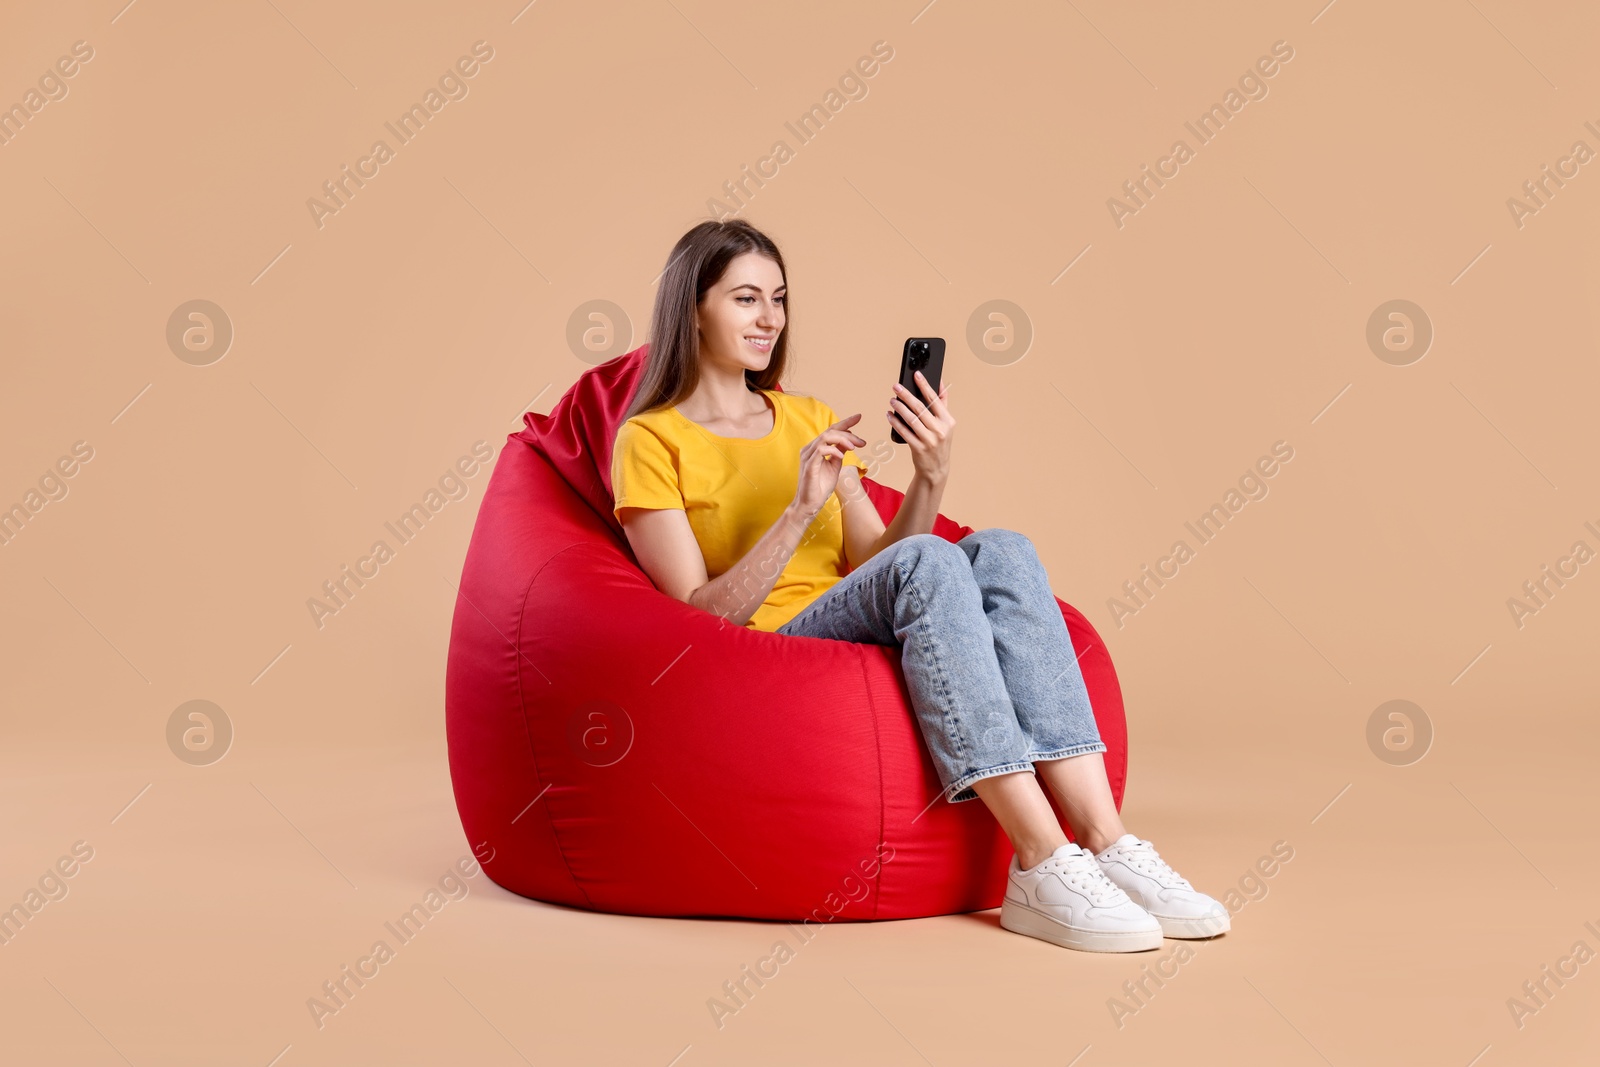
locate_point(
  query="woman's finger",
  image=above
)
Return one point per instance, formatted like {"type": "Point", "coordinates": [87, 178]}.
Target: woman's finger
{"type": "Point", "coordinates": [913, 437]}
{"type": "Point", "coordinates": [919, 427]}
{"type": "Point", "coordinates": [914, 407]}
{"type": "Point", "coordinates": [929, 413]}
{"type": "Point", "coordinates": [844, 437]}
{"type": "Point", "coordinates": [936, 401]}
{"type": "Point", "coordinates": [910, 399]}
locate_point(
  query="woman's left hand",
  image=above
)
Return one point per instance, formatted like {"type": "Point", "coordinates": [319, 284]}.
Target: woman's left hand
{"type": "Point", "coordinates": [926, 424]}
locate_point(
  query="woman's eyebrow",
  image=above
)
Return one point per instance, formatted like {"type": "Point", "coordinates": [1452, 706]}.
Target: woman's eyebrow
{"type": "Point", "coordinates": [757, 288]}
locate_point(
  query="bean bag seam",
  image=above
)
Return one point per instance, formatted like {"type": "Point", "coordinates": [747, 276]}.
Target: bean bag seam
{"type": "Point", "coordinates": [877, 744]}
{"type": "Point", "coordinates": [527, 730]}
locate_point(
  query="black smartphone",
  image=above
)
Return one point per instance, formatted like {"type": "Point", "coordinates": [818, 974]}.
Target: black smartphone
{"type": "Point", "coordinates": [925, 354]}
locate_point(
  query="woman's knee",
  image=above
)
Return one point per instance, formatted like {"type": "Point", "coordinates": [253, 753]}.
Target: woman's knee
{"type": "Point", "coordinates": [932, 555]}
{"type": "Point", "coordinates": [1003, 542]}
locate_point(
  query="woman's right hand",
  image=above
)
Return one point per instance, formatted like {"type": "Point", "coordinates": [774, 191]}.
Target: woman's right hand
{"type": "Point", "coordinates": [820, 464]}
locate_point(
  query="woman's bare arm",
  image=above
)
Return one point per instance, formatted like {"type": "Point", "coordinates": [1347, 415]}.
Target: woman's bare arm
{"type": "Point", "coordinates": [864, 532]}
{"type": "Point", "coordinates": [666, 548]}
{"type": "Point", "coordinates": [927, 428]}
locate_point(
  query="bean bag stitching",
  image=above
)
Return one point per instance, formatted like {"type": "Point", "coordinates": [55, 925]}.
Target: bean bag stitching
{"type": "Point", "coordinates": [528, 731]}
{"type": "Point", "coordinates": [872, 706]}
{"type": "Point", "coordinates": [944, 681]}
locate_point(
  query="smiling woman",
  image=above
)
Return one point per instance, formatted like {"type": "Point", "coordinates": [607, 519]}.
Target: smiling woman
{"type": "Point", "coordinates": [701, 471]}
{"type": "Point", "coordinates": [724, 483]}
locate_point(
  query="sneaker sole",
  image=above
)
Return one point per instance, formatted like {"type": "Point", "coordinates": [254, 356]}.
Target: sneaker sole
{"type": "Point", "coordinates": [1021, 919]}
{"type": "Point", "coordinates": [1193, 928]}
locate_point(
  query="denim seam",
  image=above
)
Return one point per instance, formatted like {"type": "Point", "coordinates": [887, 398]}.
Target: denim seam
{"type": "Point", "coordinates": [827, 604]}
{"type": "Point", "coordinates": [1008, 563]}
{"type": "Point", "coordinates": [938, 670]}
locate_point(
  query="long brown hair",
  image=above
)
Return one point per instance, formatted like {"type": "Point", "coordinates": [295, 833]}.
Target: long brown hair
{"type": "Point", "coordinates": [698, 261]}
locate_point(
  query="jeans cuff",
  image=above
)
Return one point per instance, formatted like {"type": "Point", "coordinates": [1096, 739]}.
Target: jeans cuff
{"type": "Point", "coordinates": [1062, 753]}
{"type": "Point", "coordinates": [961, 789]}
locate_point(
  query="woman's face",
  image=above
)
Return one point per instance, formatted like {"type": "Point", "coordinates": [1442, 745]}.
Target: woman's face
{"type": "Point", "coordinates": [741, 315]}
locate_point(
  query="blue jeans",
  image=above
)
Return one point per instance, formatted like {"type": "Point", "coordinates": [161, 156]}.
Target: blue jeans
{"type": "Point", "coordinates": [988, 664]}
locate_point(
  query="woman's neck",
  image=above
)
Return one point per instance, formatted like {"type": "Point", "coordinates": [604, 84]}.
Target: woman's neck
{"type": "Point", "coordinates": [721, 396]}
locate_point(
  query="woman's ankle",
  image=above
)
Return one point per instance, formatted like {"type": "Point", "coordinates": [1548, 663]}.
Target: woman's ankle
{"type": "Point", "coordinates": [1096, 840]}
{"type": "Point", "coordinates": [1031, 854]}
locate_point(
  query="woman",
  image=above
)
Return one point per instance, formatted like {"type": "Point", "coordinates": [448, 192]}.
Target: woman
{"type": "Point", "coordinates": [716, 472]}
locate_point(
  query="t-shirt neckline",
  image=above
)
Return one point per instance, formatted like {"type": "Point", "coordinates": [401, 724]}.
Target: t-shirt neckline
{"type": "Point", "coordinates": [777, 421]}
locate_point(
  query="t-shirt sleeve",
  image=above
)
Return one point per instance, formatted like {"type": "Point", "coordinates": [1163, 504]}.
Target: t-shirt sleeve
{"type": "Point", "coordinates": [828, 419]}
{"type": "Point", "coordinates": [643, 473]}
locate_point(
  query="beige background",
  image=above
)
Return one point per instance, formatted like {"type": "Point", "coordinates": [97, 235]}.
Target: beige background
{"type": "Point", "coordinates": [369, 354]}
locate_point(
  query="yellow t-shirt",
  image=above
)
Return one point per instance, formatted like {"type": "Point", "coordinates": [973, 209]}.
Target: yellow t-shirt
{"type": "Point", "coordinates": [733, 490]}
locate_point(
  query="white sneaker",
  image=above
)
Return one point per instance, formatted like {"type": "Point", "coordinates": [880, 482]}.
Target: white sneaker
{"type": "Point", "coordinates": [1180, 908]}
{"type": "Point", "coordinates": [1067, 900]}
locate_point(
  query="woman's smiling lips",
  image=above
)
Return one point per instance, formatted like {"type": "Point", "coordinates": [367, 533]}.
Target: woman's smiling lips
{"type": "Point", "coordinates": [760, 344]}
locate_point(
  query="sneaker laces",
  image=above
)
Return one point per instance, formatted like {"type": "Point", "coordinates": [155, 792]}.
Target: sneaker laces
{"type": "Point", "coordinates": [1082, 872]}
{"type": "Point", "coordinates": [1143, 858]}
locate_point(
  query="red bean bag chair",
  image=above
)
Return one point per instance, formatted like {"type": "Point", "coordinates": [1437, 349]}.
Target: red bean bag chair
{"type": "Point", "coordinates": [614, 749]}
